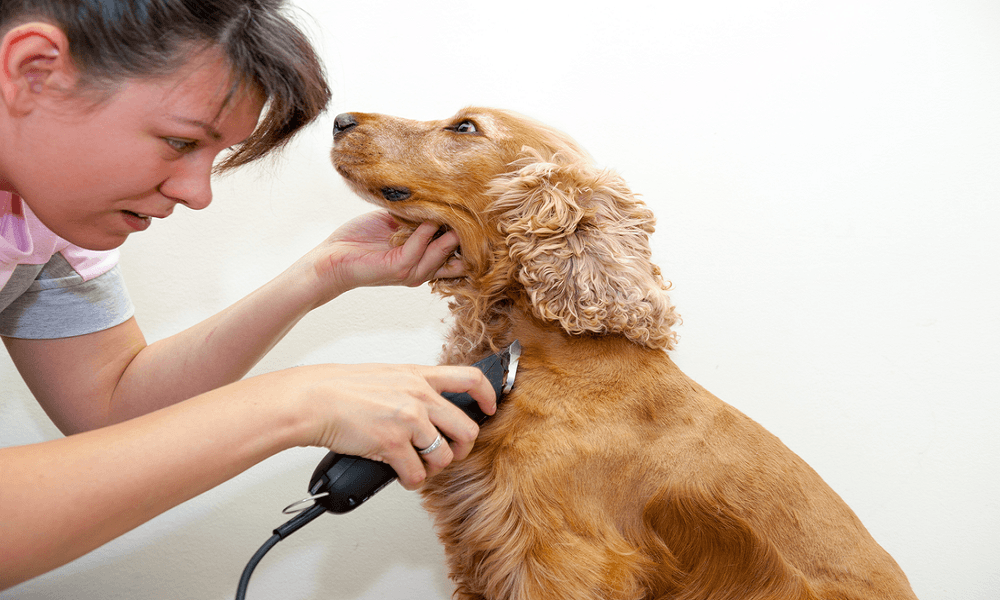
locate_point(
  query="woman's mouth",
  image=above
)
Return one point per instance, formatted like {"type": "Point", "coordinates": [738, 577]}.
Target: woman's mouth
{"type": "Point", "coordinates": [137, 221]}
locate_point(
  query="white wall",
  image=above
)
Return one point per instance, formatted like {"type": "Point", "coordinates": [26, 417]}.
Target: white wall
{"type": "Point", "coordinates": [826, 177]}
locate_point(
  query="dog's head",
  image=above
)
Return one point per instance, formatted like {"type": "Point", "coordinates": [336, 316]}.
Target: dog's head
{"type": "Point", "coordinates": [537, 222]}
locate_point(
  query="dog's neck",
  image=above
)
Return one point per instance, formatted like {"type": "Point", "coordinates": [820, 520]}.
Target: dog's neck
{"type": "Point", "coordinates": [541, 337]}
{"type": "Point", "coordinates": [533, 332]}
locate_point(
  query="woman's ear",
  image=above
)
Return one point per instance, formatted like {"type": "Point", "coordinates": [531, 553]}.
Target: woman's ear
{"type": "Point", "coordinates": [579, 243]}
{"type": "Point", "coordinates": [35, 59]}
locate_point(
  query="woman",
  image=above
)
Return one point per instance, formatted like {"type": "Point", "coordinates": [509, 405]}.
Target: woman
{"type": "Point", "coordinates": [113, 113]}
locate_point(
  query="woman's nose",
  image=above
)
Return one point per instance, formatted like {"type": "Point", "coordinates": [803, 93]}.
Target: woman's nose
{"type": "Point", "coordinates": [190, 184]}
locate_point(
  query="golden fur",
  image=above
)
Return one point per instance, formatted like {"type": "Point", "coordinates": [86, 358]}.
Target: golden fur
{"type": "Point", "coordinates": [607, 473]}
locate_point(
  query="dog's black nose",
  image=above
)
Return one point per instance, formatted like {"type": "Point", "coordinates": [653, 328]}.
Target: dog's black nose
{"type": "Point", "coordinates": [343, 122]}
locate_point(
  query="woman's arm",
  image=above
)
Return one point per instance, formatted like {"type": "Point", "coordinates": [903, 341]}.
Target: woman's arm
{"type": "Point", "coordinates": [63, 498]}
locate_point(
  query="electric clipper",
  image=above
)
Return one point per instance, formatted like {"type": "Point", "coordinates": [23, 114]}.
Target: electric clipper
{"type": "Point", "coordinates": [341, 483]}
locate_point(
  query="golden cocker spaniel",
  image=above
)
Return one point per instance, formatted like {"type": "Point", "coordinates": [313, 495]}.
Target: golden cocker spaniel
{"type": "Point", "coordinates": [607, 473]}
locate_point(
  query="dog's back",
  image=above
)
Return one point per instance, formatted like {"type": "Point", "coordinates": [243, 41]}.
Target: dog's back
{"type": "Point", "coordinates": [610, 474]}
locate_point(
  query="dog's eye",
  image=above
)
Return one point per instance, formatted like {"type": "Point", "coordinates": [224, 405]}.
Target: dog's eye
{"type": "Point", "coordinates": [465, 126]}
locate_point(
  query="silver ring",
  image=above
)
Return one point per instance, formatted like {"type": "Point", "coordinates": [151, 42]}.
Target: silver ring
{"type": "Point", "coordinates": [434, 445]}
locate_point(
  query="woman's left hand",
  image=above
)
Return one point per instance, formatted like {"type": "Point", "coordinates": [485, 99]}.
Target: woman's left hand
{"type": "Point", "coordinates": [360, 254]}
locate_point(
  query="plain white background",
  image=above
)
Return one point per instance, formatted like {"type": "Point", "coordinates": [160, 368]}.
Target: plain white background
{"type": "Point", "coordinates": [826, 179]}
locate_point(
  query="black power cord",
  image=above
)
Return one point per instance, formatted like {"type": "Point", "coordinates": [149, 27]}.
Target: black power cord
{"type": "Point", "coordinates": [283, 531]}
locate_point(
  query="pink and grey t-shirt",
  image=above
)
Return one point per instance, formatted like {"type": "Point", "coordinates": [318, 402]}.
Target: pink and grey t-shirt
{"type": "Point", "coordinates": [50, 288]}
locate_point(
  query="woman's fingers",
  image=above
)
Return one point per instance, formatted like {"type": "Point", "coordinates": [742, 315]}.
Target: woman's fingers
{"type": "Point", "coordinates": [426, 256]}
{"type": "Point", "coordinates": [436, 454]}
{"type": "Point", "coordinates": [460, 430]}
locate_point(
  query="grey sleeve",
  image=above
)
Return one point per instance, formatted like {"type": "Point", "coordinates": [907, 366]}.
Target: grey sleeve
{"type": "Point", "coordinates": [59, 303]}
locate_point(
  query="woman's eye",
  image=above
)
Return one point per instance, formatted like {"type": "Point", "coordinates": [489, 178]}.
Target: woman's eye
{"type": "Point", "coordinates": [181, 145]}
{"type": "Point", "coordinates": [465, 127]}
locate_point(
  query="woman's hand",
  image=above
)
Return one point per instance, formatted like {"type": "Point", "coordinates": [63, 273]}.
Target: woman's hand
{"type": "Point", "coordinates": [361, 254]}
{"type": "Point", "coordinates": [387, 412]}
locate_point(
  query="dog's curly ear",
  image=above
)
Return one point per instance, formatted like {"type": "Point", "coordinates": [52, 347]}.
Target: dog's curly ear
{"type": "Point", "coordinates": [579, 243]}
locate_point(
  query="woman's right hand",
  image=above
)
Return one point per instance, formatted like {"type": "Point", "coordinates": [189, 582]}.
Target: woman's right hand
{"type": "Point", "coordinates": [387, 412]}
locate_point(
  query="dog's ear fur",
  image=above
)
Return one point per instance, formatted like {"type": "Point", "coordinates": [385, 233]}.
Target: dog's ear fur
{"type": "Point", "coordinates": [579, 243]}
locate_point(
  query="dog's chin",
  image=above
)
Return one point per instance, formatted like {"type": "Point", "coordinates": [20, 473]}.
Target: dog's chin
{"type": "Point", "coordinates": [393, 198]}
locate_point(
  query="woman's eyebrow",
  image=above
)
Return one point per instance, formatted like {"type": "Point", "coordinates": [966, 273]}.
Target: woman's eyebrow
{"type": "Point", "coordinates": [211, 131]}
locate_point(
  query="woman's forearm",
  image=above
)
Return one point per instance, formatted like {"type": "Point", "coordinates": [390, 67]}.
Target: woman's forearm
{"type": "Point", "coordinates": [218, 351]}
{"type": "Point", "coordinates": [64, 498]}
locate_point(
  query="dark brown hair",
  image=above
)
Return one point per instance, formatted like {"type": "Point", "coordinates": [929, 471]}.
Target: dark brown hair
{"type": "Point", "coordinates": [112, 41]}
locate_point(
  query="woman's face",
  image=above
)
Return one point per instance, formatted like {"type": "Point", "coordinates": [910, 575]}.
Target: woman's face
{"type": "Point", "coordinates": [96, 175]}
